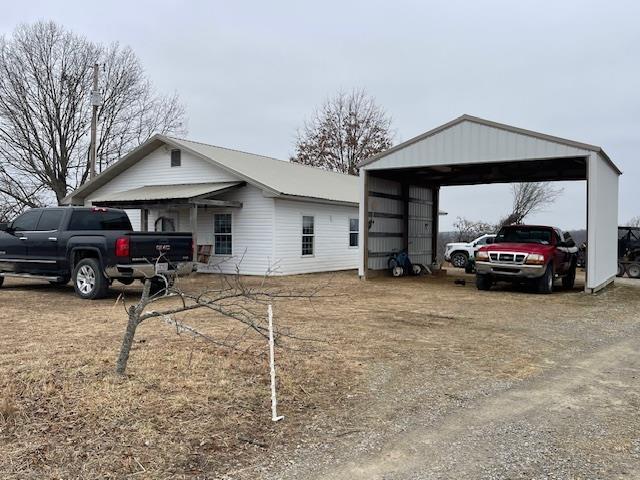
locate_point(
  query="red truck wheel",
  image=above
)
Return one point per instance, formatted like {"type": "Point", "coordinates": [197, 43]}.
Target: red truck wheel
{"type": "Point", "coordinates": [545, 282]}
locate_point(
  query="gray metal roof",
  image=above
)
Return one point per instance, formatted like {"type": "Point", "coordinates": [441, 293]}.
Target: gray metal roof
{"type": "Point", "coordinates": [165, 192]}
{"type": "Point", "coordinates": [276, 176]}
{"type": "Point", "coordinates": [280, 176]}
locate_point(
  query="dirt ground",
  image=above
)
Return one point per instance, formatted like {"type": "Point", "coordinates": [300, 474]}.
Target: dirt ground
{"type": "Point", "coordinates": [414, 378]}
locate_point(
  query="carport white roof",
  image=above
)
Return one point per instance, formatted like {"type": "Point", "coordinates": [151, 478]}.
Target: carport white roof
{"type": "Point", "coordinates": [275, 176]}
{"type": "Point", "coordinates": [468, 139]}
{"type": "Point", "coordinates": [165, 192]}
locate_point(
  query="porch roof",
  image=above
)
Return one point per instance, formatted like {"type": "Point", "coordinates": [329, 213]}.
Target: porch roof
{"type": "Point", "coordinates": [151, 193]}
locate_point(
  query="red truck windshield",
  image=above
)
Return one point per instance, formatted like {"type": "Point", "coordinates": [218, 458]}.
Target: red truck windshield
{"type": "Point", "coordinates": [524, 235]}
{"type": "Point", "coordinates": [99, 220]}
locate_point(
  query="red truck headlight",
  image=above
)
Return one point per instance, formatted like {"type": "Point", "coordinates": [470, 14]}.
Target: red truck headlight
{"type": "Point", "coordinates": [482, 256]}
{"type": "Point", "coordinates": [535, 259]}
{"type": "Point", "coordinates": [122, 247]}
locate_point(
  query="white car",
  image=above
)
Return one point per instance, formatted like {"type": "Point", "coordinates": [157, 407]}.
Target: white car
{"type": "Point", "coordinates": [459, 253]}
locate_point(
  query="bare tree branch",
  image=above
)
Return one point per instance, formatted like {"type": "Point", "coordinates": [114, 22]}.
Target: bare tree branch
{"type": "Point", "coordinates": [345, 130]}
{"type": "Point", "coordinates": [232, 300]}
{"type": "Point", "coordinates": [530, 198]}
{"type": "Point", "coordinates": [45, 87]}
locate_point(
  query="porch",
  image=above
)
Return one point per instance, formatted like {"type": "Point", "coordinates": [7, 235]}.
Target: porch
{"type": "Point", "coordinates": [189, 208]}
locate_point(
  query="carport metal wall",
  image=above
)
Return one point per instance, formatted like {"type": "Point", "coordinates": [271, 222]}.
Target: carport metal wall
{"type": "Point", "coordinates": [400, 217]}
{"type": "Point", "coordinates": [501, 150]}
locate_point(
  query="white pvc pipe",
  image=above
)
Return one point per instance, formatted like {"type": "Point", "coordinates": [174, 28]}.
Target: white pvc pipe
{"type": "Point", "coordinates": [272, 364]}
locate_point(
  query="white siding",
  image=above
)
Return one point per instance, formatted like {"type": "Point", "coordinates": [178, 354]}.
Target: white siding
{"type": "Point", "coordinates": [331, 243]}
{"type": "Point", "coordinates": [255, 247]}
{"type": "Point", "coordinates": [155, 169]}
{"type": "Point", "coordinates": [252, 232]}
{"type": "Point", "coordinates": [469, 142]}
{"type": "Point", "coordinates": [602, 222]}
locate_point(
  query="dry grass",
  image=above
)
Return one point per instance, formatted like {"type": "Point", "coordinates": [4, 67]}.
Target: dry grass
{"type": "Point", "coordinates": [190, 409]}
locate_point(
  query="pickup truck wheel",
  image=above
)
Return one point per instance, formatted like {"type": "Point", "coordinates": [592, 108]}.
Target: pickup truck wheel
{"type": "Point", "coordinates": [569, 280]}
{"type": "Point", "coordinates": [88, 280]}
{"type": "Point", "coordinates": [483, 282]}
{"type": "Point", "coordinates": [545, 282]}
{"type": "Point", "coordinates": [459, 259]}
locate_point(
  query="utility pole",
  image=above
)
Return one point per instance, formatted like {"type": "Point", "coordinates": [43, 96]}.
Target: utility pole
{"type": "Point", "coordinates": [96, 101]}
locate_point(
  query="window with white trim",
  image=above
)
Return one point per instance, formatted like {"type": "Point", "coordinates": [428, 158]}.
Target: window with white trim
{"type": "Point", "coordinates": [222, 233]}
{"type": "Point", "coordinates": [354, 232]}
{"type": "Point", "coordinates": [308, 234]}
{"type": "Point", "coordinates": [176, 158]}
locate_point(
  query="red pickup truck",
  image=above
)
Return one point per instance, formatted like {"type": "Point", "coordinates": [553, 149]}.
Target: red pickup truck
{"type": "Point", "coordinates": [528, 253]}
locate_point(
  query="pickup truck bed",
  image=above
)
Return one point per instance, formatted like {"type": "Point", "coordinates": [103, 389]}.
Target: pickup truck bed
{"type": "Point", "coordinates": [91, 246]}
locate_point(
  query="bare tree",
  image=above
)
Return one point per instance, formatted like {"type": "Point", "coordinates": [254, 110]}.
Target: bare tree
{"type": "Point", "coordinates": [634, 222]}
{"type": "Point", "coordinates": [232, 300]}
{"type": "Point", "coordinates": [466, 230]}
{"type": "Point", "coordinates": [529, 198]}
{"type": "Point", "coordinates": [45, 87]}
{"type": "Point", "coordinates": [345, 130]}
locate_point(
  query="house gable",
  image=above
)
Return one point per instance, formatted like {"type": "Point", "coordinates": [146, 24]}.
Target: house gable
{"type": "Point", "coordinates": [155, 169]}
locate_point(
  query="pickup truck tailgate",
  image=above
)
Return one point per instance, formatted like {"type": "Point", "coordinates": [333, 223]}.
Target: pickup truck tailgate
{"type": "Point", "coordinates": [148, 246]}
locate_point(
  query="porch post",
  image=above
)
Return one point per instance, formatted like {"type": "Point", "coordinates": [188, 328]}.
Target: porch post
{"type": "Point", "coordinates": [193, 219]}
{"type": "Point", "coordinates": [144, 220]}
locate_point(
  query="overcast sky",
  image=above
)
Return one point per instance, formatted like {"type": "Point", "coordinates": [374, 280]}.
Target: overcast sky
{"type": "Point", "coordinates": [250, 72]}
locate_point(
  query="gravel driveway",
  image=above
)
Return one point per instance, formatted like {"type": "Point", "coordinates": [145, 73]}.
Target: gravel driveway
{"type": "Point", "coordinates": [570, 413]}
{"type": "Point", "coordinates": [564, 424]}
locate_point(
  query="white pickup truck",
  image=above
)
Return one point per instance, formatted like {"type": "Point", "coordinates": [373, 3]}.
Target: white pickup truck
{"type": "Point", "coordinates": [459, 253]}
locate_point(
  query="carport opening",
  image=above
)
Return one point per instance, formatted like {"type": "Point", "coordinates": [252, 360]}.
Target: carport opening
{"type": "Point", "coordinates": [402, 204]}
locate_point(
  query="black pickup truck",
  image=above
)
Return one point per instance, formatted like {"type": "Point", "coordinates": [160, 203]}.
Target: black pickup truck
{"type": "Point", "coordinates": [91, 246]}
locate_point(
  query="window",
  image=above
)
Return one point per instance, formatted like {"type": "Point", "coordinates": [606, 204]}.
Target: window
{"type": "Point", "coordinates": [99, 219]}
{"type": "Point", "coordinates": [176, 159]}
{"type": "Point", "coordinates": [308, 232]}
{"type": "Point", "coordinates": [524, 234]}
{"type": "Point", "coordinates": [482, 241]}
{"type": "Point", "coordinates": [353, 232]}
{"type": "Point", "coordinates": [222, 233]}
{"type": "Point", "coordinates": [27, 221]}
{"type": "Point", "coordinates": [50, 220]}
{"type": "Point", "coordinates": [569, 240]}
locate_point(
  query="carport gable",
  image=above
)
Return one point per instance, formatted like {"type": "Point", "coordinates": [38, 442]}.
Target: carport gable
{"type": "Point", "coordinates": [472, 140]}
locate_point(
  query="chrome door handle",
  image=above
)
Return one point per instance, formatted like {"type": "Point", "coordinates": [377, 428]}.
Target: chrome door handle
{"type": "Point", "coordinates": [24, 238]}
{"type": "Point", "coordinates": [53, 239]}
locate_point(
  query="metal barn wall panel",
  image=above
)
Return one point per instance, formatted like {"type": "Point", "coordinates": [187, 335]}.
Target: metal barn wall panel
{"type": "Point", "coordinates": [385, 232]}
{"type": "Point", "coordinates": [602, 223]}
{"type": "Point", "coordinates": [420, 225]}
{"type": "Point", "coordinates": [470, 142]}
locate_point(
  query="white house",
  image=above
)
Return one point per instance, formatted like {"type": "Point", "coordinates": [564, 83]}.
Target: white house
{"type": "Point", "coordinates": [243, 209]}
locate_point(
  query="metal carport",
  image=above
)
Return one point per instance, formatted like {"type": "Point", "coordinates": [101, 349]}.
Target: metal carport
{"type": "Point", "coordinates": [400, 187]}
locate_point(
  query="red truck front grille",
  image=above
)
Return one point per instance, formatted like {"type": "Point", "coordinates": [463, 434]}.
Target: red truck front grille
{"type": "Point", "coordinates": [507, 257]}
